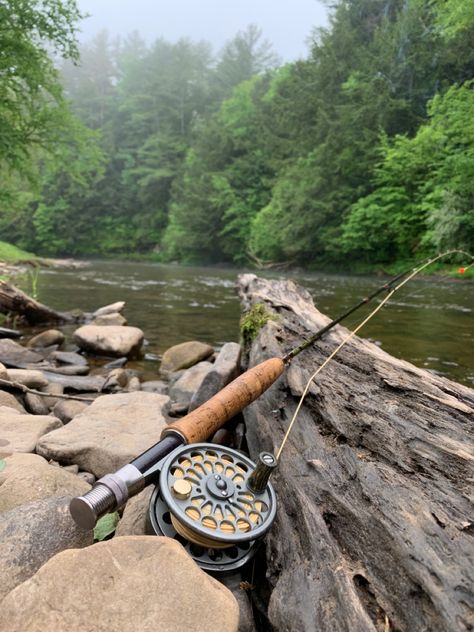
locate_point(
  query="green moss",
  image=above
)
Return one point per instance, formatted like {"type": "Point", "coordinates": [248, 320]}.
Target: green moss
{"type": "Point", "coordinates": [252, 321]}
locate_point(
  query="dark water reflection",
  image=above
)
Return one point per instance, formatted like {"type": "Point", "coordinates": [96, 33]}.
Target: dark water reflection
{"type": "Point", "coordinates": [429, 322]}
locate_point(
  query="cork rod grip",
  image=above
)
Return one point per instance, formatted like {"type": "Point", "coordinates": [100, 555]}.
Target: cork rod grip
{"type": "Point", "coordinates": [203, 422]}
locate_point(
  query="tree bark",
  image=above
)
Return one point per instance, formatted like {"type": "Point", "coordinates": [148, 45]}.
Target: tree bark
{"type": "Point", "coordinates": [14, 301]}
{"type": "Point", "coordinates": [374, 529]}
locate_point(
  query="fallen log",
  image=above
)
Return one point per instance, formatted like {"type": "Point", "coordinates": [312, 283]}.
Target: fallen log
{"type": "Point", "coordinates": [374, 530]}
{"type": "Point", "coordinates": [14, 301]}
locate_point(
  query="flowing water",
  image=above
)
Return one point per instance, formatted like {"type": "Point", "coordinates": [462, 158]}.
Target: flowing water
{"type": "Point", "coordinates": [429, 322]}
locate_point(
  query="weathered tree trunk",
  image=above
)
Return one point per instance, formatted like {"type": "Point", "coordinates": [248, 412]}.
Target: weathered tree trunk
{"type": "Point", "coordinates": [14, 301]}
{"type": "Point", "coordinates": [374, 529]}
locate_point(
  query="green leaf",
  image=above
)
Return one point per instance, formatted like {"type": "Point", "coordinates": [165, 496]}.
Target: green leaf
{"type": "Point", "coordinates": [106, 526]}
{"type": "Point", "coordinates": [3, 464]}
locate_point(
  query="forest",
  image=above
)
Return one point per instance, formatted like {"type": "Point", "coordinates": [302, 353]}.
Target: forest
{"type": "Point", "coordinates": [359, 156]}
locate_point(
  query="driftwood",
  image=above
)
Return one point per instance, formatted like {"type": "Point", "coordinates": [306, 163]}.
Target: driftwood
{"type": "Point", "coordinates": [14, 301]}
{"type": "Point", "coordinates": [374, 529]}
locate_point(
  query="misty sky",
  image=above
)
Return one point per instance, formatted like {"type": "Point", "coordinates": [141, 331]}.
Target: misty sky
{"type": "Point", "coordinates": [285, 23]}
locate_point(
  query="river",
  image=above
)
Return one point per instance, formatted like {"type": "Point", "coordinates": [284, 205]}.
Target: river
{"type": "Point", "coordinates": [429, 322]}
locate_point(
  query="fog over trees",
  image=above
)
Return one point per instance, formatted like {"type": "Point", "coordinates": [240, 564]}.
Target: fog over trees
{"type": "Point", "coordinates": [362, 154]}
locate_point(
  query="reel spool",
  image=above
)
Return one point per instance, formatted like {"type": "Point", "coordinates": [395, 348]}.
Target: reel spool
{"type": "Point", "coordinates": [216, 502]}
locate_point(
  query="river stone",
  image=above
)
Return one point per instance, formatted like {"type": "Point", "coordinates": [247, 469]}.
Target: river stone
{"type": "Point", "coordinates": [67, 409]}
{"type": "Point", "coordinates": [28, 377]}
{"type": "Point", "coordinates": [20, 432]}
{"type": "Point", "coordinates": [47, 339]}
{"type": "Point", "coordinates": [53, 389]}
{"type": "Point", "coordinates": [184, 388]}
{"type": "Point", "coordinates": [30, 535]}
{"type": "Point", "coordinates": [136, 582]}
{"type": "Point", "coordinates": [12, 462]}
{"type": "Point", "coordinates": [109, 433]}
{"type": "Point", "coordinates": [114, 340]}
{"type": "Point", "coordinates": [224, 370]}
{"type": "Point", "coordinates": [155, 386]}
{"type": "Point", "coordinates": [184, 355]}
{"type": "Point", "coordinates": [36, 404]}
{"type": "Point", "coordinates": [68, 357]}
{"type": "Point", "coordinates": [109, 309]}
{"type": "Point", "coordinates": [10, 401]}
{"type": "Point", "coordinates": [106, 320]}
{"type": "Point", "coordinates": [37, 481]}
{"type": "Point", "coordinates": [135, 516]}
{"type": "Point", "coordinates": [13, 354]}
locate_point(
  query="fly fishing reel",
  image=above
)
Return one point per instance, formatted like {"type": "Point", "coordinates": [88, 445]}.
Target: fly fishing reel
{"type": "Point", "coordinates": [216, 502]}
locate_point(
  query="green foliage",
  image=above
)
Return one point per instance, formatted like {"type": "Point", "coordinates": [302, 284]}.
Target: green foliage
{"type": "Point", "coordinates": [424, 193]}
{"type": "Point", "coordinates": [31, 106]}
{"type": "Point", "coordinates": [3, 464]}
{"type": "Point", "coordinates": [106, 526]}
{"type": "Point", "coordinates": [251, 323]}
{"type": "Point", "coordinates": [12, 254]}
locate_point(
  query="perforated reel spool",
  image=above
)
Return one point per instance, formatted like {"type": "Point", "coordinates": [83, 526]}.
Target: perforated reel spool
{"type": "Point", "coordinates": [205, 487]}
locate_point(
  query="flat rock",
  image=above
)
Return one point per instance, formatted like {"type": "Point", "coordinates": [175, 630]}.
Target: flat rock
{"type": "Point", "coordinates": [109, 433]}
{"type": "Point", "coordinates": [28, 377]}
{"type": "Point", "coordinates": [30, 535]}
{"type": "Point", "coordinates": [94, 383]}
{"type": "Point", "coordinates": [46, 339]}
{"type": "Point", "coordinates": [53, 389]}
{"type": "Point", "coordinates": [184, 388]}
{"type": "Point", "coordinates": [14, 355]}
{"type": "Point", "coordinates": [135, 516]}
{"type": "Point", "coordinates": [224, 370]}
{"type": "Point", "coordinates": [184, 355]}
{"type": "Point", "coordinates": [10, 401]}
{"type": "Point", "coordinates": [68, 357]}
{"type": "Point", "coordinates": [109, 309]}
{"type": "Point", "coordinates": [12, 462]}
{"type": "Point", "coordinates": [20, 432]}
{"type": "Point", "coordinates": [106, 320]}
{"type": "Point", "coordinates": [137, 582]}
{"type": "Point", "coordinates": [39, 480]}
{"type": "Point", "coordinates": [112, 340]}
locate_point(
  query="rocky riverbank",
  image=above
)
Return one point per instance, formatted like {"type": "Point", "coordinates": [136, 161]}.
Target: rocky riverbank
{"type": "Point", "coordinates": [66, 421]}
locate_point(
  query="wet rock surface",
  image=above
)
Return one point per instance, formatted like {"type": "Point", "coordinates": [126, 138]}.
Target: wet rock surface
{"type": "Point", "coordinates": [32, 534]}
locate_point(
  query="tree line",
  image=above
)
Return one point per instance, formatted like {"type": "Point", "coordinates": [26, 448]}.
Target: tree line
{"type": "Point", "coordinates": [362, 154]}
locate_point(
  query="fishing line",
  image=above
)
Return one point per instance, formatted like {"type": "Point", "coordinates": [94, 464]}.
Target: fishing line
{"type": "Point", "coordinates": [351, 335]}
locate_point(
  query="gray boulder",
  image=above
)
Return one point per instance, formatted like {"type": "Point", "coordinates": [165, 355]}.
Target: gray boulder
{"type": "Point", "coordinates": [68, 357]}
{"type": "Point", "coordinates": [20, 432]}
{"type": "Point", "coordinates": [138, 582]}
{"type": "Point", "coordinates": [114, 340]}
{"type": "Point", "coordinates": [39, 480]}
{"type": "Point", "coordinates": [109, 433]}
{"type": "Point", "coordinates": [36, 404]}
{"type": "Point", "coordinates": [30, 535]}
{"type": "Point", "coordinates": [155, 386]}
{"type": "Point", "coordinates": [135, 515]}
{"type": "Point", "coordinates": [224, 370]}
{"type": "Point", "coordinates": [184, 355]}
{"type": "Point", "coordinates": [13, 354]}
{"type": "Point", "coordinates": [184, 388]}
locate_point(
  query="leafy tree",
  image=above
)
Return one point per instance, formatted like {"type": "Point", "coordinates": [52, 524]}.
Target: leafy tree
{"type": "Point", "coordinates": [32, 111]}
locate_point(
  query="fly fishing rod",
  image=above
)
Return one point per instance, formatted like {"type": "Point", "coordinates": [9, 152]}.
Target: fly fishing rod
{"type": "Point", "coordinates": [211, 496]}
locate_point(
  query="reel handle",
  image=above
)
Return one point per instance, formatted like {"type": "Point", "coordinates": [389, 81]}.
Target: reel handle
{"type": "Point", "coordinates": [202, 423]}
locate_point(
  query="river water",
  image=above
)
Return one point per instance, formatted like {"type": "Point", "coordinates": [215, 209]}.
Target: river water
{"type": "Point", "coordinates": [429, 322]}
